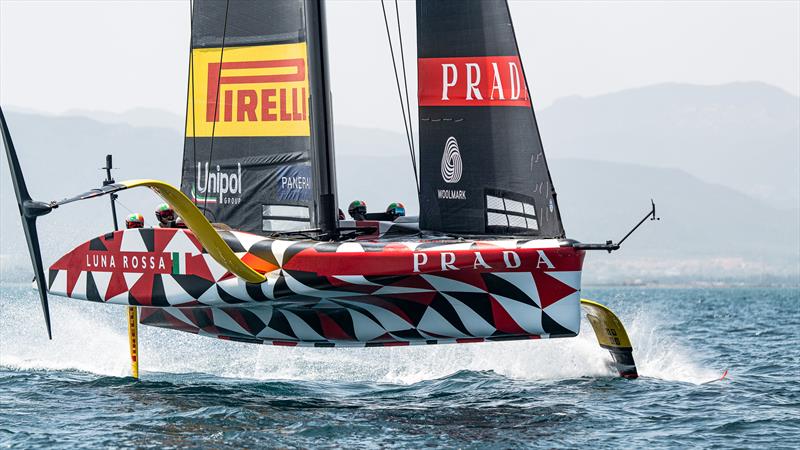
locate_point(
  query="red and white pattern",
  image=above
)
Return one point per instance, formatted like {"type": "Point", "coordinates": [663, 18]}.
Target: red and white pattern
{"type": "Point", "coordinates": [353, 293]}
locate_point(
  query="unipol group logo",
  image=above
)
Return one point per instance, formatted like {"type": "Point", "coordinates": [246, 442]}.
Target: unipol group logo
{"type": "Point", "coordinates": [451, 161]}
{"type": "Point", "coordinates": [221, 187]}
{"type": "Point", "coordinates": [452, 168]}
{"type": "Point", "coordinates": [249, 91]}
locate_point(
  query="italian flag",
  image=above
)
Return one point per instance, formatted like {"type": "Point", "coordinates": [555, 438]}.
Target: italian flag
{"type": "Point", "coordinates": [178, 263]}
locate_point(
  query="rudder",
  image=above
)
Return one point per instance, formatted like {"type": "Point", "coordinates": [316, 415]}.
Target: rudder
{"type": "Point", "coordinates": [611, 335]}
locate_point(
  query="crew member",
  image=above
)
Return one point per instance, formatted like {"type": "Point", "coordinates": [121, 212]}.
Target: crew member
{"type": "Point", "coordinates": [396, 210]}
{"type": "Point", "coordinates": [165, 215]}
{"type": "Point", "coordinates": [134, 220]}
{"type": "Point", "coordinates": [358, 210]}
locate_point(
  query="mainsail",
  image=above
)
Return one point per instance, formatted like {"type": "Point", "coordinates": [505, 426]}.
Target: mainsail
{"type": "Point", "coordinates": [482, 165]}
{"type": "Point", "coordinates": [247, 158]}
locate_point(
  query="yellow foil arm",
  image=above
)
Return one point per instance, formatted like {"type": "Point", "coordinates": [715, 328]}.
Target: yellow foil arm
{"type": "Point", "coordinates": [201, 227]}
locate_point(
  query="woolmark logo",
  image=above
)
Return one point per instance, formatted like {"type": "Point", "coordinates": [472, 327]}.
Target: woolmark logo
{"type": "Point", "coordinates": [451, 161]}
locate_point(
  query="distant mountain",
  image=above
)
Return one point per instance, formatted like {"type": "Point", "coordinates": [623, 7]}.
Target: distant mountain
{"type": "Point", "coordinates": [707, 231]}
{"type": "Point", "coordinates": [742, 135]}
{"type": "Point", "coordinates": [138, 117]}
{"type": "Point", "coordinates": [601, 200]}
{"type": "Point", "coordinates": [61, 153]}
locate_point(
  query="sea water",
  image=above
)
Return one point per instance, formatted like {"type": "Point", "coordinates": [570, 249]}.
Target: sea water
{"type": "Point", "coordinates": [75, 391]}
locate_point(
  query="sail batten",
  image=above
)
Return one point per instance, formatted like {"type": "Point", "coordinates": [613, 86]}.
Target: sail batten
{"type": "Point", "coordinates": [482, 163]}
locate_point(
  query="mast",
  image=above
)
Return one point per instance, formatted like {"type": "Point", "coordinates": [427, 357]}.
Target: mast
{"type": "Point", "coordinates": [322, 114]}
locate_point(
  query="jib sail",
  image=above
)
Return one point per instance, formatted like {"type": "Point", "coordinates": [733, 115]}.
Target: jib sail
{"type": "Point", "coordinates": [247, 158]}
{"type": "Point", "coordinates": [483, 169]}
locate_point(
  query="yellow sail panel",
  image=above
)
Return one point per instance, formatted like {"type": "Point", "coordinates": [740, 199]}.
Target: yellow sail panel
{"type": "Point", "coordinates": [257, 90]}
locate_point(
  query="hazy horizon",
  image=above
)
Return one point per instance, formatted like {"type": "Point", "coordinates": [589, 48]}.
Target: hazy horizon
{"type": "Point", "coordinates": [182, 113]}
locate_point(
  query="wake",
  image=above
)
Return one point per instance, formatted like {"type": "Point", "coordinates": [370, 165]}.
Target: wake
{"type": "Point", "coordinates": [92, 337]}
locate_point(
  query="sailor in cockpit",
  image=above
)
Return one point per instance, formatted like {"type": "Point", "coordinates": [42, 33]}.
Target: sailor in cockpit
{"type": "Point", "coordinates": [167, 218]}
{"type": "Point", "coordinates": [134, 220]}
{"type": "Point", "coordinates": [358, 210]}
{"type": "Point", "coordinates": [395, 210]}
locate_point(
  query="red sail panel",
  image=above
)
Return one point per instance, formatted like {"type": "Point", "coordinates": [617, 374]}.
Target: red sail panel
{"type": "Point", "coordinates": [472, 81]}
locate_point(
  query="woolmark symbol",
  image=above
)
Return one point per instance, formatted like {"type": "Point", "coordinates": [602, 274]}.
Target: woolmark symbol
{"type": "Point", "coordinates": [451, 161]}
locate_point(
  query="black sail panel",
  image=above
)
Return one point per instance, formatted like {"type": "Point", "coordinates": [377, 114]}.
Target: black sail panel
{"type": "Point", "coordinates": [247, 155]}
{"type": "Point", "coordinates": [482, 165]}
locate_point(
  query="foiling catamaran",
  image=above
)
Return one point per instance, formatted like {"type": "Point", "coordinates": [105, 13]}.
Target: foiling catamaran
{"type": "Point", "coordinates": [265, 257]}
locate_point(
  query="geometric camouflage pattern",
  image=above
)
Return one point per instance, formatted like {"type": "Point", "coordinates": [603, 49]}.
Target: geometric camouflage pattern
{"type": "Point", "coordinates": [352, 293]}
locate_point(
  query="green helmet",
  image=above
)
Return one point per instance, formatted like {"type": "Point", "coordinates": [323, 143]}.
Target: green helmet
{"type": "Point", "coordinates": [396, 209]}
{"type": "Point", "coordinates": [165, 213]}
{"type": "Point", "coordinates": [134, 220]}
{"type": "Point", "coordinates": [357, 208]}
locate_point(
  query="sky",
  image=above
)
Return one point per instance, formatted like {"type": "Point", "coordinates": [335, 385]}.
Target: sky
{"type": "Point", "coordinates": [57, 56]}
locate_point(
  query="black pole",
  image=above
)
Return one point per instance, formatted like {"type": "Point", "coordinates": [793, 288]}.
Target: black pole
{"type": "Point", "coordinates": [321, 118]}
{"type": "Point", "coordinates": [106, 182]}
{"type": "Point", "coordinates": [29, 210]}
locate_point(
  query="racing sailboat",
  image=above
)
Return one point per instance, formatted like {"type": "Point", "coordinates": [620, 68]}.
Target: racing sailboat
{"type": "Point", "coordinates": [265, 257]}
